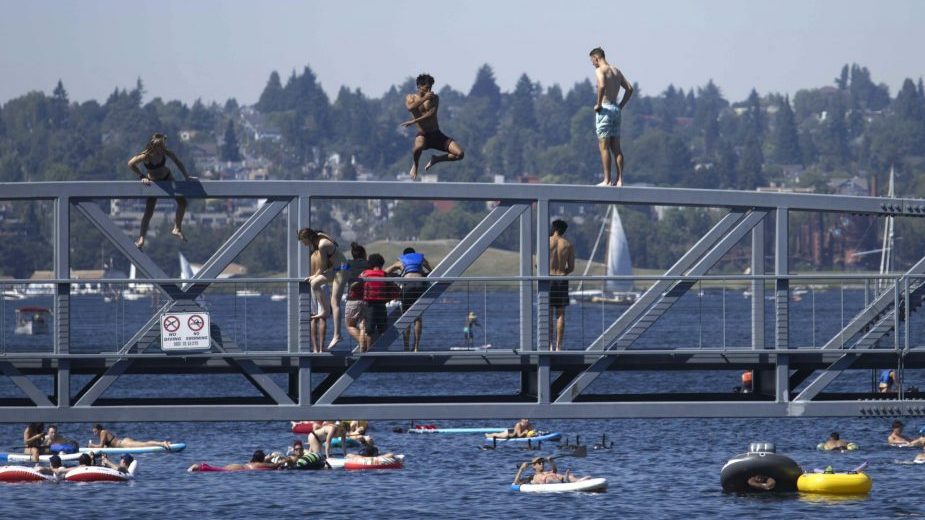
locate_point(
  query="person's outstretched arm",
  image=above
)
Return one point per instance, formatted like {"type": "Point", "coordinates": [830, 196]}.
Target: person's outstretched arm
{"type": "Point", "coordinates": [179, 164]}
{"type": "Point", "coordinates": [520, 472]}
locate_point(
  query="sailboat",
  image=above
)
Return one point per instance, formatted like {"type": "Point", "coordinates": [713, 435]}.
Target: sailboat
{"type": "Point", "coordinates": [135, 291]}
{"type": "Point", "coordinates": [619, 263]}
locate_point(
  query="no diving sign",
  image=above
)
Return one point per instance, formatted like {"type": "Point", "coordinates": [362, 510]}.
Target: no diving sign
{"type": "Point", "coordinates": [185, 331]}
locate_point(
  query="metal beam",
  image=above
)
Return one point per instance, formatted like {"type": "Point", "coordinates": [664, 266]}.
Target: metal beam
{"type": "Point", "coordinates": [472, 411]}
{"type": "Point", "coordinates": [353, 373]}
{"type": "Point", "coordinates": [543, 317]}
{"type": "Point", "coordinates": [93, 392]}
{"type": "Point", "coordinates": [261, 381]}
{"type": "Point", "coordinates": [688, 260]}
{"type": "Point", "coordinates": [758, 269]}
{"type": "Point", "coordinates": [828, 375]}
{"type": "Point", "coordinates": [654, 196]}
{"type": "Point", "coordinates": [62, 306]}
{"type": "Point", "coordinates": [455, 263]}
{"type": "Point", "coordinates": [123, 243]}
{"type": "Point", "coordinates": [25, 384]}
{"type": "Point", "coordinates": [526, 288]}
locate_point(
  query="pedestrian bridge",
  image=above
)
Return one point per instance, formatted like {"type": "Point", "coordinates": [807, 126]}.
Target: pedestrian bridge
{"type": "Point", "coordinates": [813, 340]}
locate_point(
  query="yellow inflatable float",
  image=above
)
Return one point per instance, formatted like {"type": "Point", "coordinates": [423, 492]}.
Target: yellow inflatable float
{"type": "Point", "coordinates": [835, 483]}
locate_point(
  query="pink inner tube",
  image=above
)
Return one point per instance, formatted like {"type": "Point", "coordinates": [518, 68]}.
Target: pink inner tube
{"type": "Point", "coordinates": [208, 468]}
{"type": "Point", "coordinates": [373, 463]}
{"type": "Point", "coordinates": [22, 474]}
{"type": "Point", "coordinates": [303, 427]}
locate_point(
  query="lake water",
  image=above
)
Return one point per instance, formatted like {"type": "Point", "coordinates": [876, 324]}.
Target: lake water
{"type": "Point", "coordinates": [664, 468]}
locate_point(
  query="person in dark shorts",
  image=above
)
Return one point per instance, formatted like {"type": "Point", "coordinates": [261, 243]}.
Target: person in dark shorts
{"type": "Point", "coordinates": [376, 294]}
{"type": "Point", "coordinates": [411, 264]}
{"type": "Point", "coordinates": [561, 263]}
{"type": "Point", "coordinates": [423, 106]}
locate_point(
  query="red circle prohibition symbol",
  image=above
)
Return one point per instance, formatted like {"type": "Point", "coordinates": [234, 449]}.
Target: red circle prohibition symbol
{"type": "Point", "coordinates": [171, 323]}
{"type": "Point", "coordinates": [195, 322]}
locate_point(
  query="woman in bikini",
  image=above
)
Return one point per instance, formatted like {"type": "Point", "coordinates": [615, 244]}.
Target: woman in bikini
{"type": "Point", "coordinates": [108, 440]}
{"type": "Point", "coordinates": [334, 271]}
{"type": "Point", "coordinates": [32, 438]}
{"type": "Point", "coordinates": [154, 158]}
{"type": "Point", "coordinates": [521, 429]}
{"type": "Point", "coordinates": [322, 435]}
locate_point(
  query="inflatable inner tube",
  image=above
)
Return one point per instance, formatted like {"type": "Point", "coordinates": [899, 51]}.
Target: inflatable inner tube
{"type": "Point", "coordinates": [208, 468]}
{"type": "Point", "coordinates": [100, 474]}
{"type": "Point", "coordinates": [23, 474]}
{"type": "Point", "coordinates": [852, 446]}
{"type": "Point", "coordinates": [835, 483]}
{"type": "Point", "coordinates": [365, 463]}
{"type": "Point", "coordinates": [303, 427]}
{"type": "Point", "coordinates": [735, 474]}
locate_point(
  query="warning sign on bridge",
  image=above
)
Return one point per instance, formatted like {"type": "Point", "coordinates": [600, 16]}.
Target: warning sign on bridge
{"type": "Point", "coordinates": [185, 331]}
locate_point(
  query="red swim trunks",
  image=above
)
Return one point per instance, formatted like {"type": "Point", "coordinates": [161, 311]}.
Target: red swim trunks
{"type": "Point", "coordinates": [436, 140]}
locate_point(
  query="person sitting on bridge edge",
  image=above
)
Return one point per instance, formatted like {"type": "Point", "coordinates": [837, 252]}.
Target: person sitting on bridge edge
{"type": "Point", "coordinates": [334, 268]}
{"type": "Point", "coordinates": [896, 437]}
{"type": "Point", "coordinates": [423, 106]}
{"type": "Point", "coordinates": [154, 157]}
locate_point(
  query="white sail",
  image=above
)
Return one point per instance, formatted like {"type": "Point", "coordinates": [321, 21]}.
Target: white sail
{"type": "Point", "coordinates": [618, 255]}
{"type": "Point", "coordinates": [186, 270]}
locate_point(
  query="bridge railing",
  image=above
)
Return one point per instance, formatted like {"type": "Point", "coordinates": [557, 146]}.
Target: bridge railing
{"type": "Point", "coordinates": [715, 312]}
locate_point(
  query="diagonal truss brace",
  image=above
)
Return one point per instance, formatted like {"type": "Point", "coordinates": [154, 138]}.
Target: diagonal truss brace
{"type": "Point", "coordinates": [25, 384]}
{"type": "Point", "coordinates": [454, 264]}
{"type": "Point", "coordinates": [878, 316]}
{"type": "Point", "coordinates": [698, 259]}
{"type": "Point", "coordinates": [184, 297]}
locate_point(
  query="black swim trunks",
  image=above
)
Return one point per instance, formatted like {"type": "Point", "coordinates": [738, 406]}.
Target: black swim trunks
{"type": "Point", "coordinates": [410, 292]}
{"type": "Point", "coordinates": [558, 293]}
{"type": "Point", "coordinates": [436, 140]}
{"type": "Point", "coordinates": [377, 318]}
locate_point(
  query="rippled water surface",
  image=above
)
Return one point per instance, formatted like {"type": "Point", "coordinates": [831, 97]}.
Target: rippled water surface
{"type": "Point", "coordinates": [666, 468]}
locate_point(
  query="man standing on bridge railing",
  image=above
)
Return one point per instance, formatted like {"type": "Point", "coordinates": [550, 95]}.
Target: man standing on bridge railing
{"type": "Point", "coordinates": [609, 114]}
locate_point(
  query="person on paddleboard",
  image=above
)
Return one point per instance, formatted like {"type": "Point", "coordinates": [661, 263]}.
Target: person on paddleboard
{"type": "Point", "coordinates": [108, 440]}
{"type": "Point", "coordinates": [521, 429]}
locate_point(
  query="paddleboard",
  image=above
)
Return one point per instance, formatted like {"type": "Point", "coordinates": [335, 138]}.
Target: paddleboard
{"type": "Point", "coordinates": [208, 468]}
{"type": "Point", "coordinates": [552, 436]}
{"type": "Point", "coordinates": [452, 431]}
{"type": "Point", "coordinates": [174, 447]}
{"type": "Point", "coordinates": [100, 474]}
{"type": "Point", "coordinates": [25, 457]}
{"type": "Point", "coordinates": [589, 485]}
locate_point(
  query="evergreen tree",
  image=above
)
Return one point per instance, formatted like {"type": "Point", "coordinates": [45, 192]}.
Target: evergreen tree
{"type": "Point", "coordinates": [272, 98]}
{"type": "Point", "coordinates": [785, 143]}
{"type": "Point", "coordinates": [908, 104]}
{"type": "Point", "coordinates": [200, 118]}
{"type": "Point", "coordinates": [833, 139]}
{"type": "Point", "coordinates": [486, 87]}
{"type": "Point", "coordinates": [842, 80]}
{"type": "Point", "coordinates": [230, 150]}
{"type": "Point", "coordinates": [753, 120]}
{"type": "Point", "coordinates": [231, 107]}
{"type": "Point", "coordinates": [749, 175]}
{"type": "Point", "coordinates": [522, 111]}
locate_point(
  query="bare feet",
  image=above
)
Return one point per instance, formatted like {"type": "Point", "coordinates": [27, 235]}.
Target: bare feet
{"type": "Point", "coordinates": [140, 243]}
{"type": "Point", "coordinates": [193, 468]}
{"type": "Point", "coordinates": [177, 232]}
{"type": "Point", "coordinates": [414, 172]}
{"type": "Point", "coordinates": [603, 183]}
{"type": "Point", "coordinates": [166, 445]}
{"type": "Point", "coordinates": [334, 341]}
{"type": "Point", "coordinates": [429, 163]}
{"type": "Point", "coordinates": [619, 183]}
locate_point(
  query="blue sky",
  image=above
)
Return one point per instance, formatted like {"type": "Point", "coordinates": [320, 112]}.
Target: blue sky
{"type": "Point", "coordinates": [220, 49]}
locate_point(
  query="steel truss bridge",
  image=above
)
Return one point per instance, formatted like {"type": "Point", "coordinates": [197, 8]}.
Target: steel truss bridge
{"type": "Point", "coordinates": [791, 378]}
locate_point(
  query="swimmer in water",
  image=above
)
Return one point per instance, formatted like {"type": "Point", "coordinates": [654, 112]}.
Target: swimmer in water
{"type": "Point", "coordinates": [834, 442]}
{"type": "Point", "coordinates": [122, 467]}
{"type": "Point", "coordinates": [896, 437]}
{"type": "Point", "coordinates": [762, 483]}
{"type": "Point", "coordinates": [108, 440]}
{"type": "Point", "coordinates": [258, 461]}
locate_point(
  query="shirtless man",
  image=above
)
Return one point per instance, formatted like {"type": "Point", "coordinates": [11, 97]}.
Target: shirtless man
{"type": "Point", "coordinates": [541, 476]}
{"type": "Point", "coordinates": [896, 437]}
{"type": "Point", "coordinates": [258, 461]}
{"type": "Point", "coordinates": [334, 269]}
{"type": "Point", "coordinates": [561, 263]}
{"type": "Point", "coordinates": [122, 467]}
{"type": "Point", "coordinates": [54, 468]}
{"type": "Point", "coordinates": [608, 113]}
{"type": "Point", "coordinates": [834, 442]}
{"type": "Point", "coordinates": [423, 106]}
